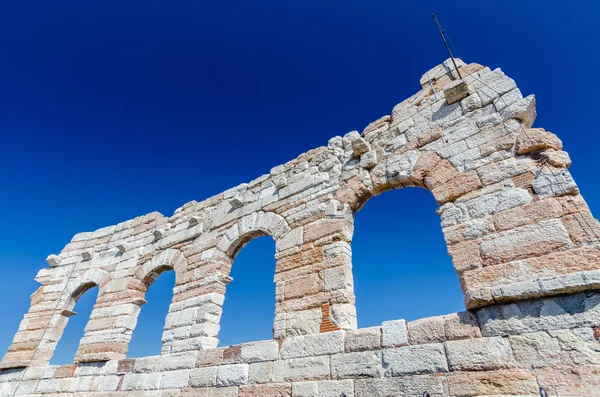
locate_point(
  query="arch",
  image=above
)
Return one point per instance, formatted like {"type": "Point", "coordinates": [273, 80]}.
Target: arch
{"type": "Point", "coordinates": [405, 247]}
{"type": "Point", "coordinates": [169, 259]}
{"type": "Point", "coordinates": [79, 285]}
{"type": "Point", "coordinates": [250, 226]}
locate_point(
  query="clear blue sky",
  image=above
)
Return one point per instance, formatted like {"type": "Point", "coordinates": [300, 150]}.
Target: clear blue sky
{"type": "Point", "coordinates": [110, 110]}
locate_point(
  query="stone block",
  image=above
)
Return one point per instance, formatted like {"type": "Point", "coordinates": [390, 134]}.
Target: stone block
{"type": "Point", "coordinates": [534, 139]}
{"type": "Point", "coordinates": [356, 365]}
{"type": "Point", "coordinates": [363, 339]}
{"type": "Point", "coordinates": [456, 91]}
{"type": "Point", "coordinates": [271, 390]}
{"type": "Point", "coordinates": [259, 351]}
{"type": "Point", "coordinates": [557, 183]}
{"type": "Point", "coordinates": [232, 375]}
{"type": "Point", "coordinates": [415, 360]}
{"type": "Point", "coordinates": [307, 368]}
{"type": "Point", "coordinates": [427, 330]}
{"type": "Point", "coordinates": [203, 377]}
{"type": "Point", "coordinates": [525, 241]}
{"type": "Point", "coordinates": [335, 388]}
{"type": "Point", "coordinates": [493, 383]}
{"type": "Point", "coordinates": [405, 386]}
{"type": "Point", "coordinates": [313, 345]}
{"type": "Point", "coordinates": [482, 354]}
{"type": "Point", "coordinates": [461, 325]}
{"type": "Point", "coordinates": [394, 333]}
{"type": "Point", "coordinates": [261, 372]}
{"type": "Point", "coordinates": [175, 379]}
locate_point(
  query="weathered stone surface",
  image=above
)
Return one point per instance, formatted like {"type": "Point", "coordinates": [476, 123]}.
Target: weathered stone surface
{"type": "Point", "coordinates": [493, 383]}
{"type": "Point", "coordinates": [363, 339]}
{"type": "Point", "coordinates": [415, 360]}
{"type": "Point", "coordinates": [482, 354]}
{"type": "Point", "coordinates": [308, 368]}
{"type": "Point", "coordinates": [533, 139]}
{"type": "Point", "coordinates": [427, 330]}
{"type": "Point", "coordinates": [394, 333]}
{"type": "Point", "coordinates": [523, 242]}
{"type": "Point", "coordinates": [456, 91]}
{"type": "Point", "coordinates": [313, 345]}
{"type": "Point", "coordinates": [356, 365]}
{"type": "Point", "coordinates": [406, 386]}
{"type": "Point", "coordinates": [232, 375]}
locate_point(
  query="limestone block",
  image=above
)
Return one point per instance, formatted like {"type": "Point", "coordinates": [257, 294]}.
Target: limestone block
{"type": "Point", "coordinates": [335, 388]}
{"type": "Point", "coordinates": [313, 345]}
{"type": "Point", "coordinates": [493, 383]}
{"type": "Point", "coordinates": [482, 354]}
{"type": "Point", "coordinates": [414, 360]}
{"type": "Point", "coordinates": [363, 339]}
{"type": "Point", "coordinates": [343, 315]}
{"type": "Point", "coordinates": [305, 389]}
{"type": "Point", "coordinates": [471, 102]}
{"type": "Point", "coordinates": [203, 377]}
{"type": "Point", "coordinates": [175, 379]}
{"type": "Point", "coordinates": [522, 110]}
{"type": "Point", "coordinates": [427, 330]}
{"type": "Point", "coordinates": [132, 381]}
{"type": "Point", "coordinates": [534, 139]}
{"type": "Point", "coordinates": [366, 364]}
{"type": "Point", "coordinates": [456, 91]}
{"type": "Point", "coordinates": [404, 386]}
{"type": "Point", "coordinates": [339, 277]}
{"type": "Point", "coordinates": [558, 159]}
{"type": "Point", "coordinates": [368, 160]}
{"type": "Point", "coordinates": [399, 167]}
{"type": "Point", "coordinates": [461, 325]}
{"type": "Point", "coordinates": [536, 349]}
{"type": "Point", "coordinates": [525, 241]}
{"type": "Point", "coordinates": [561, 312]}
{"type": "Point", "coordinates": [394, 333]}
{"type": "Point", "coordinates": [306, 368]}
{"type": "Point", "coordinates": [492, 85]}
{"type": "Point", "coordinates": [271, 390]}
{"type": "Point", "coordinates": [53, 260]}
{"type": "Point", "coordinates": [261, 372]}
{"type": "Point", "coordinates": [232, 375]}
{"type": "Point", "coordinates": [558, 183]}
{"type": "Point", "coordinates": [507, 99]}
{"type": "Point", "coordinates": [259, 351]}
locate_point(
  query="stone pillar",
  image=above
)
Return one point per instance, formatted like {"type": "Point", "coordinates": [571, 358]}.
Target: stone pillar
{"type": "Point", "coordinates": [314, 284]}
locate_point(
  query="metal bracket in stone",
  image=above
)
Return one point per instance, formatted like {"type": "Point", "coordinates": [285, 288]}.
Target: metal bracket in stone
{"type": "Point", "coordinates": [122, 247]}
{"type": "Point", "coordinates": [53, 260]}
{"type": "Point", "coordinates": [86, 255]}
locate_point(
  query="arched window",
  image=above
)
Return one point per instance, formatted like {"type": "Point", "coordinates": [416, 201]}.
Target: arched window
{"type": "Point", "coordinates": [147, 336]}
{"type": "Point", "coordinates": [77, 321]}
{"type": "Point", "coordinates": [249, 306]}
{"type": "Point", "coordinates": [401, 266]}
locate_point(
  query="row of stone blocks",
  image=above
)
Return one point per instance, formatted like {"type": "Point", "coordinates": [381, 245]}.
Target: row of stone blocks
{"type": "Point", "coordinates": [517, 348]}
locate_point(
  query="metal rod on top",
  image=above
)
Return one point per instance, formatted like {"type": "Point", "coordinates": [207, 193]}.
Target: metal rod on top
{"type": "Point", "coordinates": [442, 33]}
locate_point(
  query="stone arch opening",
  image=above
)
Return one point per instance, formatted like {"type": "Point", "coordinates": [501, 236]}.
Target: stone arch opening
{"type": "Point", "coordinates": [174, 263]}
{"type": "Point", "coordinates": [148, 335]}
{"type": "Point", "coordinates": [250, 299]}
{"type": "Point", "coordinates": [69, 326]}
{"type": "Point", "coordinates": [398, 234]}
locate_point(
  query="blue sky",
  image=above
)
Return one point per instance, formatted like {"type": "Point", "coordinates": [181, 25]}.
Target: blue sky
{"type": "Point", "coordinates": [110, 110]}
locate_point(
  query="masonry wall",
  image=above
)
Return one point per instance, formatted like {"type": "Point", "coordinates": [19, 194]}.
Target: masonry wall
{"type": "Point", "coordinates": [521, 238]}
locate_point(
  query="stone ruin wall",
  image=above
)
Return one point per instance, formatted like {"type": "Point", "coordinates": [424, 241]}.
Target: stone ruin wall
{"type": "Point", "coordinates": [521, 238]}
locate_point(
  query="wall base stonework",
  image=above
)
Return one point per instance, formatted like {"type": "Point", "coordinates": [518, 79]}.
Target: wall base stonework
{"type": "Point", "coordinates": [522, 240]}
